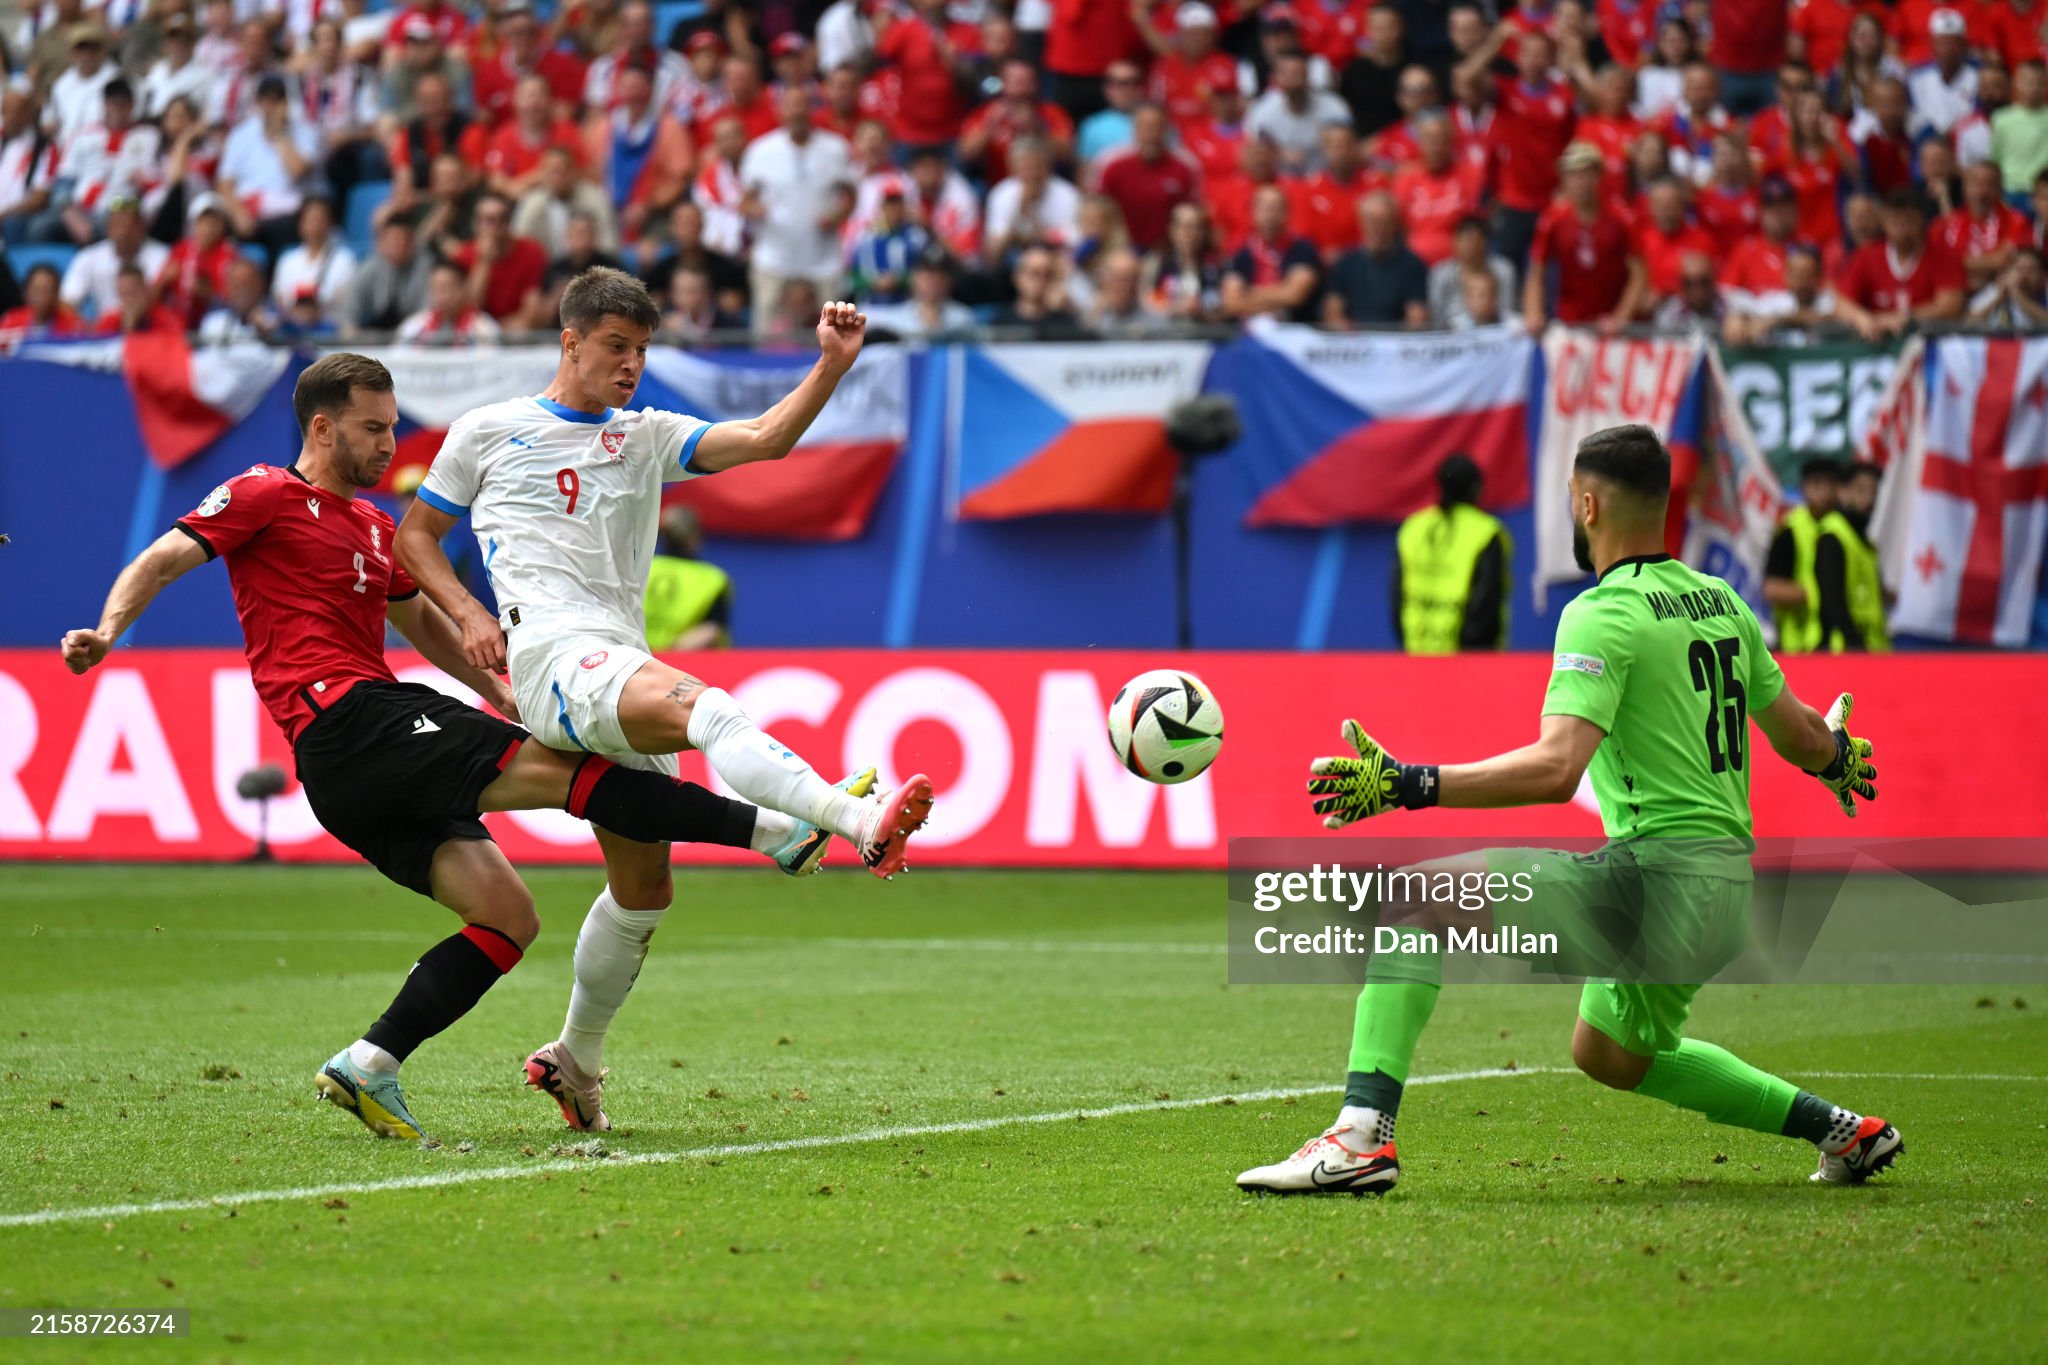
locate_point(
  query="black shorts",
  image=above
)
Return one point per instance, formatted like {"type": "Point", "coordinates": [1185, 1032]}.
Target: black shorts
{"type": "Point", "coordinates": [394, 770]}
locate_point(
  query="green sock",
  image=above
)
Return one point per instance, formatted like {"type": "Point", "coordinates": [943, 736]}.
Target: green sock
{"type": "Point", "coordinates": [1399, 996]}
{"type": "Point", "coordinates": [1715, 1082]}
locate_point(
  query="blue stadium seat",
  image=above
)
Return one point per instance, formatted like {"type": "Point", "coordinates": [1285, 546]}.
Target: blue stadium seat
{"type": "Point", "coordinates": [669, 13]}
{"type": "Point", "coordinates": [22, 258]}
{"type": "Point", "coordinates": [363, 202]}
{"type": "Point", "coordinates": [258, 253]}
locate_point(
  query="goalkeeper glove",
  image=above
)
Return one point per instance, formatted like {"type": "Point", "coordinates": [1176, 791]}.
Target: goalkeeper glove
{"type": "Point", "coordinates": [1850, 774]}
{"type": "Point", "coordinates": [1352, 788]}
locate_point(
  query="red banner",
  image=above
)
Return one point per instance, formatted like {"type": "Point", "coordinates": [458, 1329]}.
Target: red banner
{"type": "Point", "coordinates": [138, 759]}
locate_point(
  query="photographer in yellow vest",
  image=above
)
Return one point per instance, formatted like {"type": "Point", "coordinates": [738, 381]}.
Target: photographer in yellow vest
{"type": "Point", "coordinates": [1451, 569]}
{"type": "Point", "coordinates": [689, 602]}
{"type": "Point", "coordinates": [1852, 605]}
{"type": "Point", "coordinates": [1789, 585]}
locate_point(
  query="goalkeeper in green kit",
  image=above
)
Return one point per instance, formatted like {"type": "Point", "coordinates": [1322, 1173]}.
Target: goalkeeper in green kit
{"type": "Point", "coordinates": [1657, 673]}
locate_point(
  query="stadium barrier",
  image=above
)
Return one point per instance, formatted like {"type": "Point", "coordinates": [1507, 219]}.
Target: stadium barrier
{"type": "Point", "coordinates": [138, 760]}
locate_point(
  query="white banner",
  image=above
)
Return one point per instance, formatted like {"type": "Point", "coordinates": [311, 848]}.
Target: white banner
{"type": "Point", "coordinates": [872, 403]}
{"type": "Point", "coordinates": [1591, 383]}
{"type": "Point", "coordinates": [437, 384]}
{"type": "Point", "coordinates": [1410, 374]}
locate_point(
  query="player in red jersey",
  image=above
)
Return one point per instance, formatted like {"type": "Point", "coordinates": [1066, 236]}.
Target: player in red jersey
{"type": "Point", "coordinates": [397, 771]}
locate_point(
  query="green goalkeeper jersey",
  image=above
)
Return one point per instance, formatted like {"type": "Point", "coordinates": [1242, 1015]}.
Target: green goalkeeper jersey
{"type": "Point", "coordinates": [1669, 662]}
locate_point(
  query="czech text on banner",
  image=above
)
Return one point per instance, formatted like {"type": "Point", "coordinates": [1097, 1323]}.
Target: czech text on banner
{"type": "Point", "coordinates": [1352, 428]}
{"type": "Point", "coordinates": [1591, 383]}
{"type": "Point", "coordinates": [1037, 429]}
{"type": "Point", "coordinates": [1975, 535]}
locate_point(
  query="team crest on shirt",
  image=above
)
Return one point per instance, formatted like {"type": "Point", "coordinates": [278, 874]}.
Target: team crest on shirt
{"type": "Point", "coordinates": [215, 500]}
{"type": "Point", "coordinates": [377, 540]}
{"type": "Point", "coordinates": [613, 441]}
{"type": "Point", "coordinates": [593, 660]}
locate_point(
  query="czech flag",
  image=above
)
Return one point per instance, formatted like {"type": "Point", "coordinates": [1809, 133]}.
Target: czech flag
{"type": "Point", "coordinates": [185, 397]}
{"type": "Point", "coordinates": [1066, 428]}
{"type": "Point", "coordinates": [1352, 427]}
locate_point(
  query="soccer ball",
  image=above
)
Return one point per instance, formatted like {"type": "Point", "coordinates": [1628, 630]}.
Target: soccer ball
{"type": "Point", "coordinates": [1165, 725]}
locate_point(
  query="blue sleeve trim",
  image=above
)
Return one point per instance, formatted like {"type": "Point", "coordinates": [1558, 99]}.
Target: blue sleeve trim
{"type": "Point", "coordinates": [439, 503]}
{"type": "Point", "coordinates": [690, 450]}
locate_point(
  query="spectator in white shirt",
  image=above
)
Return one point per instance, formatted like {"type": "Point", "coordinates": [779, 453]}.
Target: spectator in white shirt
{"type": "Point", "coordinates": [1945, 90]}
{"type": "Point", "coordinates": [75, 96]}
{"type": "Point", "coordinates": [321, 262]}
{"type": "Point", "coordinates": [1805, 301]}
{"type": "Point", "coordinates": [1033, 205]}
{"type": "Point", "coordinates": [930, 309]}
{"type": "Point", "coordinates": [107, 160]}
{"type": "Point", "coordinates": [798, 183]}
{"type": "Point", "coordinates": [177, 72]}
{"type": "Point", "coordinates": [28, 166]}
{"type": "Point", "coordinates": [92, 280]}
{"type": "Point", "coordinates": [544, 211]}
{"type": "Point", "coordinates": [449, 315]}
{"type": "Point", "coordinates": [244, 313]}
{"type": "Point", "coordinates": [1291, 115]}
{"type": "Point", "coordinates": [265, 165]}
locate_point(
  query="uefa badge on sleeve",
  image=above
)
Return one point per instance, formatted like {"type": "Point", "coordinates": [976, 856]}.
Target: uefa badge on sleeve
{"type": "Point", "coordinates": [215, 500]}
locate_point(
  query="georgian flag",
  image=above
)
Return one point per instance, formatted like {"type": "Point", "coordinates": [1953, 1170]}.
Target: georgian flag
{"type": "Point", "coordinates": [1976, 530]}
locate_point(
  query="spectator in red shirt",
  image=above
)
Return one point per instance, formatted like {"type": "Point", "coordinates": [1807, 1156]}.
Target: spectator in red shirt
{"type": "Point", "coordinates": [451, 26]}
{"type": "Point", "coordinates": [1756, 265]}
{"type": "Point", "coordinates": [42, 313]}
{"type": "Point", "coordinates": [1597, 276]}
{"type": "Point", "coordinates": [1275, 273]}
{"type": "Point", "coordinates": [512, 153]}
{"type": "Point", "coordinates": [1612, 126]}
{"type": "Point", "coordinates": [1335, 30]}
{"type": "Point", "coordinates": [521, 53]}
{"type": "Point", "coordinates": [1230, 197]}
{"type": "Point", "coordinates": [2017, 29]}
{"type": "Point", "coordinates": [1017, 112]}
{"type": "Point", "coordinates": [746, 99]}
{"type": "Point", "coordinates": [1727, 205]}
{"type": "Point", "coordinates": [1887, 149]}
{"type": "Point", "coordinates": [1905, 278]}
{"type": "Point", "coordinates": [504, 272]}
{"type": "Point", "coordinates": [1149, 179]}
{"type": "Point", "coordinates": [1691, 125]}
{"type": "Point", "coordinates": [929, 52]}
{"type": "Point", "coordinates": [1818, 30]}
{"type": "Point", "coordinates": [1748, 47]}
{"type": "Point", "coordinates": [136, 309]}
{"type": "Point", "coordinates": [1915, 41]}
{"type": "Point", "coordinates": [1770, 132]}
{"type": "Point", "coordinates": [1324, 206]}
{"type": "Point", "coordinates": [1534, 128]}
{"type": "Point", "coordinates": [439, 127]}
{"type": "Point", "coordinates": [1084, 37]}
{"type": "Point", "coordinates": [1628, 27]}
{"type": "Point", "coordinates": [1984, 231]}
{"type": "Point", "coordinates": [839, 108]}
{"type": "Point", "coordinates": [1217, 142]}
{"type": "Point", "coordinates": [1434, 194]}
{"type": "Point", "coordinates": [1188, 66]}
{"type": "Point", "coordinates": [1818, 165]}
{"type": "Point", "coordinates": [195, 274]}
{"type": "Point", "coordinates": [1664, 235]}
{"type": "Point", "coordinates": [1417, 95]}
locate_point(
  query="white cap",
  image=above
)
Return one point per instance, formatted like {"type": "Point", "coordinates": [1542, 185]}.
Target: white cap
{"type": "Point", "coordinates": [1194, 14]}
{"type": "Point", "coordinates": [201, 203]}
{"type": "Point", "coordinates": [1946, 23]}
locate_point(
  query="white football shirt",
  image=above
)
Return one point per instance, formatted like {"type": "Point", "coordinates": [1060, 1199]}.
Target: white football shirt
{"type": "Point", "coordinates": [564, 504]}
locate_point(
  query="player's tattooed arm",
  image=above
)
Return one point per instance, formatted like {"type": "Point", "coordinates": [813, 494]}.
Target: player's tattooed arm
{"type": "Point", "coordinates": [174, 554]}
{"type": "Point", "coordinates": [842, 328]}
{"type": "Point", "coordinates": [418, 545]}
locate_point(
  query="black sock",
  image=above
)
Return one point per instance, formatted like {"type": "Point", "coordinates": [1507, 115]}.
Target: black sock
{"type": "Point", "coordinates": [1811, 1118]}
{"type": "Point", "coordinates": [445, 984]}
{"type": "Point", "coordinates": [654, 809]}
{"type": "Point", "coordinates": [1372, 1090]}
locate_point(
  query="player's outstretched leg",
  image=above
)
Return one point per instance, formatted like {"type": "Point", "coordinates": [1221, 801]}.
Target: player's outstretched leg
{"type": "Point", "coordinates": [1712, 1081]}
{"type": "Point", "coordinates": [1356, 1155]}
{"type": "Point", "coordinates": [663, 710]}
{"type": "Point", "coordinates": [471, 877]}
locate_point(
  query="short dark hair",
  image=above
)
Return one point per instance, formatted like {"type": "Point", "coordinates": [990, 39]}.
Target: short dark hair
{"type": "Point", "coordinates": [1820, 468]}
{"type": "Point", "coordinates": [601, 292]}
{"type": "Point", "coordinates": [328, 384]}
{"type": "Point", "coordinates": [1458, 479]}
{"type": "Point", "coordinates": [1631, 458]}
{"type": "Point", "coordinates": [41, 268]}
{"type": "Point", "coordinates": [1907, 197]}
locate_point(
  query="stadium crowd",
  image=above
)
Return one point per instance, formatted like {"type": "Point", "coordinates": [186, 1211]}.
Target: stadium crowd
{"type": "Point", "coordinates": [1065, 167]}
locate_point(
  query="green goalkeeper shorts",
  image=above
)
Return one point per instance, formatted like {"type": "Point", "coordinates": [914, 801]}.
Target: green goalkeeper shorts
{"type": "Point", "coordinates": [1645, 937]}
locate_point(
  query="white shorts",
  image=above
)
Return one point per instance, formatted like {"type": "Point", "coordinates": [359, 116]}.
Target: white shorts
{"type": "Point", "coordinates": [568, 692]}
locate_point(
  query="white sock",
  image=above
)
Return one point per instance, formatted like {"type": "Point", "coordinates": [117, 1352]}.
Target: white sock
{"type": "Point", "coordinates": [762, 771]}
{"type": "Point", "coordinates": [1372, 1127]}
{"type": "Point", "coordinates": [771, 829]}
{"type": "Point", "coordinates": [609, 950]}
{"type": "Point", "coordinates": [369, 1057]}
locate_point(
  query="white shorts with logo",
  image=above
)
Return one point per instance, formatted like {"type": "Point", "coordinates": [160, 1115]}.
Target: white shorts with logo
{"type": "Point", "coordinates": [568, 692]}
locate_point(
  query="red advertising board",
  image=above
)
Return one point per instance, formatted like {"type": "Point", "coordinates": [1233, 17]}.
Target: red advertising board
{"type": "Point", "coordinates": [138, 760]}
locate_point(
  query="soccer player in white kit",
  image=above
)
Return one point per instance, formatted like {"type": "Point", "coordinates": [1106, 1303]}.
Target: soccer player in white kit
{"type": "Point", "coordinates": [563, 490]}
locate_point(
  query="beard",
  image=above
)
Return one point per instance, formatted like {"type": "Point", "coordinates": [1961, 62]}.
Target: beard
{"type": "Point", "coordinates": [1582, 549]}
{"type": "Point", "coordinates": [364, 467]}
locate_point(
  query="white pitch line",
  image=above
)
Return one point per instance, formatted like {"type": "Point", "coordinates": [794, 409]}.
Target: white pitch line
{"type": "Point", "coordinates": [440, 1179]}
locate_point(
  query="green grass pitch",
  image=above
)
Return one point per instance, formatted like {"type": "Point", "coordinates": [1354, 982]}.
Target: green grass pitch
{"type": "Point", "coordinates": [159, 1030]}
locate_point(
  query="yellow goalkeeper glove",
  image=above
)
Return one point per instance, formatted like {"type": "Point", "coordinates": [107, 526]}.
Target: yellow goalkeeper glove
{"type": "Point", "coordinates": [1351, 788]}
{"type": "Point", "coordinates": [1850, 775]}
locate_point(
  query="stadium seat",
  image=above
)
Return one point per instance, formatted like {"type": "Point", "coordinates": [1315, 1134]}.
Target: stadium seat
{"type": "Point", "coordinates": [25, 257]}
{"type": "Point", "coordinates": [257, 252]}
{"type": "Point", "coordinates": [669, 13]}
{"type": "Point", "coordinates": [363, 202]}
